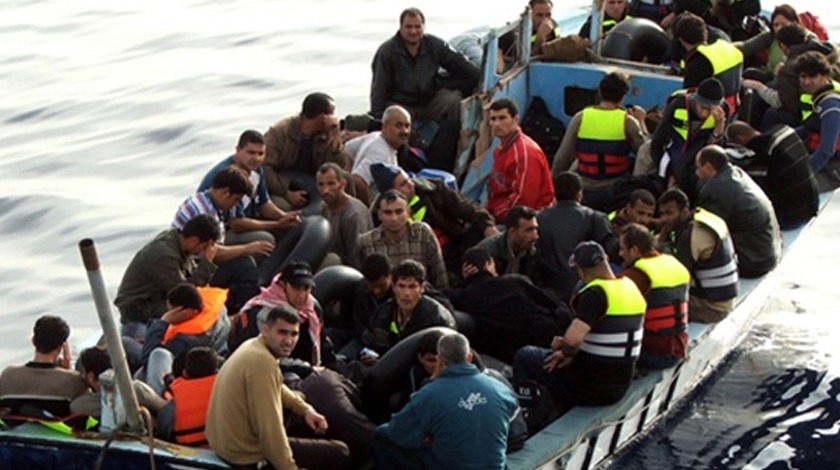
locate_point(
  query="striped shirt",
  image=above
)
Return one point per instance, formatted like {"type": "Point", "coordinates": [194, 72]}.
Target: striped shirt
{"type": "Point", "coordinates": [195, 205]}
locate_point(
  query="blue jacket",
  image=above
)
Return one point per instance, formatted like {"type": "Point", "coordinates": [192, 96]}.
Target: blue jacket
{"type": "Point", "coordinates": [460, 420]}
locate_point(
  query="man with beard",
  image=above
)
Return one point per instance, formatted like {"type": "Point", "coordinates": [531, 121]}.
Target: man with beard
{"type": "Point", "coordinates": [348, 216]}
{"type": "Point", "coordinates": [378, 147]}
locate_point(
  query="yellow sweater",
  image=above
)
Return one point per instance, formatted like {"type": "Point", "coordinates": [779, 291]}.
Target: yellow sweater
{"type": "Point", "coordinates": [245, 419]}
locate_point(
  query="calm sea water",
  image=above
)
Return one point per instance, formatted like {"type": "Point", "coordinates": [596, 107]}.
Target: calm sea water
{"type": "Point", "coordinates": [113, 111]}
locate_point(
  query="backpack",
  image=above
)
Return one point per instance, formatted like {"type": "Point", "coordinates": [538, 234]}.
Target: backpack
{"type": "Point", "coordinates": [813, 24]}
{"type": "Point", "coordinates": [538, 406]}
{"type": "Point", "coordinates": [540, 125]}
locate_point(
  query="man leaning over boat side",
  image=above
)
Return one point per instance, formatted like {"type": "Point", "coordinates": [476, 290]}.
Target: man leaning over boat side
{"type": "Point", "coordinates": [520, 175]}
{"type": "Point", "coordinates": [401, 238]}
{"type": "Point", "coordinates": [301, 144]}
{"type": "Point", "coordinates": [600, 140]}
{"type": "Point", "coordinates": [459, 420]}
{"type": "Point", "coordinates": [592, 363]}
{"type": "Point", "coordinates": [172, 257]}
{"type": "Point", "coordinates": [701, 241]}
{"type": "Point", "coordinates": [256, 217]}
{"type": "Point", "coordinates": [664, 281]}
{"type": "Point", "coordinates": [405, 72]}
{"type": "Point", "coordinates": [245, 418]}
{"type": "Point", "coordinates": [48, 373]}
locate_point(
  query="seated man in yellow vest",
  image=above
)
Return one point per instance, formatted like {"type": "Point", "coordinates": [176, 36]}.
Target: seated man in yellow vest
{"type": "Point", "coordinates": [664, 282]}
{"type": "Point", "coordinates": [701, 241]}
{"type": "Point", "coordinates": [720, 59]}
{"type": "Point", "coordinates": [601, 139]}
{"type": "Point", "coordinates": [183, 417]}
{"type": "Point", "coordinates": [820, 129]}
{"type": "Point", "coordinates": [543, 26]}
{"type": "Point", "coordinates": [577, 369]}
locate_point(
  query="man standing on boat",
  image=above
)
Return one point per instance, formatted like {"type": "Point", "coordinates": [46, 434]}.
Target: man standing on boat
{"type": "Point", "coordinates": [459, 420]}
{"type": "Point", "coordinates": [592, 363]}
{"type": "Point", "coordinates": [245, 418]}
{"type": "Point", "coordinates": [301, 144]}
{"type": "Point", "coordinates": [701, 241]}
{"type": "Point", "coordinates": [601, 139]}
{"type": "Point", "coordinates": [731, 194]}
{"type": "Point", "coordinates": [663, 280]}
{"type": "Point", "coordinates": [405, 72]}
{"type": "Point", "coordinates": [520, 175]}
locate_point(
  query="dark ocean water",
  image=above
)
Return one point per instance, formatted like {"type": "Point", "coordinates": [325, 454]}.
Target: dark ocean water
{"type": "Point", "coordinates": [113, 111]}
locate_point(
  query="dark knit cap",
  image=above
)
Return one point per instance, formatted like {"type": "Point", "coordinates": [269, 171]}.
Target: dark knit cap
{"type": "Point", "coordinates": [709, 92]}
{"type": "Point", "coordinates": [384, 175]}
{"type": "Point", "coordinates": [587, 255]}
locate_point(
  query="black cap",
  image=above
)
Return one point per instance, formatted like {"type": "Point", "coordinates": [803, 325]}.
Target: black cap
{"type": "Point", "coordinates": [587, 255]}
{"type": "Point", "coordinates": [298, 273]}
{"type": "Point", "coordinates": [709, 92]}
{"type": "Point", "coordinates": [384, 175]}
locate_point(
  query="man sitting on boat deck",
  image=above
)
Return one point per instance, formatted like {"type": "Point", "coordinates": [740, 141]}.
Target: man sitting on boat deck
{"type": "Point", "coordinates": [378, 147]}
{"type": "Point", "coordinates": [460, 420]}
{"type": "Point", "coordinates": [172, 257]}
{"type": "Point", "coordinates": [562, 227]}
{"type": "Point", "coordinates": [401, 238]}
{"type": "Point", "coordinates": [543, 27]}
{"type": "Point", "coordinates": [245, 418]}
{"type": "Point", "coordinates": [183, 418]}
{"type": "Point", "coordinates": [820, 128]}
{"type": "Point", "coordinates": [592, 363]}
{"type": "Point", "coordinates": [408, 312]}
{"type": "Point", "coordinates": [515, 250]}
{"type": "Point", "coordinates": [256, 217]}
{"type": "Point", "coordinates": [701, 241]}
{"type": "Point", "coordinates": [48, 373]}
{"type": "Point", "coordinates": [615, 11]}
{"type": "Point", "coordinates": [664, 281]}
{"type": "Point", "coordinates": [780, 163]}
{"type": "Point", "coordinates": [719, 59]}
{"type": "Point", "coordinates": [660, 12]}
{"type": "Point", "coordinates": [301, 144]}
{"type": "Point", "coordinates": [348, 216]}
{"type": "Point", "coordinates": [458, 222]}
{"type": "Point", "coordinates": [639, 209]}
{"type": "Point", "coordinates": [520, 175]}
{"type": "Point", "coordinates": [600, 140]}
{"type": "Point", "coordinates": [292, 288]}
{"type": "Point", "coordinates": [94, 361]}
{"type": "Point", "coordinates": [490, 299]}
{"type": "Point", "coordinates": [690, 121]}
{"type": "Point", "coordinates": [405, 72]}
{"type": "Point", "coordinates": [195, 317]}
{"type": "Point", "coordinates": [237, 267]}
{"type": "Point", "coordinates": [731, 194]}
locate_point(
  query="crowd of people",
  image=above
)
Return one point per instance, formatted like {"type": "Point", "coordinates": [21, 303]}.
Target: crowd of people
{"type": "Point", "coordinates": [581, 268]}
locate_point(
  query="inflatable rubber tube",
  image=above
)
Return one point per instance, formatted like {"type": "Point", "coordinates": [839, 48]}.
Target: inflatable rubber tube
{"type": "Point", "coordinates": [309, 242]}
{"type": "Point", "coordinates": [389, 373]}
{"type": "Point", "coordinates": [335, 284]}
{"type": "Point", "coordinates": [635, 38]}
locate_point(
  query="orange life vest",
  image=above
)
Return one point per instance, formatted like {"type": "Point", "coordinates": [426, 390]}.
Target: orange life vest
{"type": "Point", "coordinates": [214, 299]}
{"type": "Point", "coordinates": [191, 398]}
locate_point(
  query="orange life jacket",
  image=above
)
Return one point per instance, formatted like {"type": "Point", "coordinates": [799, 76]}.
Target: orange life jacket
{"type": "Point", "coordinates": [214, 299]}
{"type": "Point", "coordinates": [191, 398]}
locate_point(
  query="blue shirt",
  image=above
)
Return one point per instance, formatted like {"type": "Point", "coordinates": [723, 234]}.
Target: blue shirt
{"type": "Point", "coordinates": [250, 205]}
{"type": "Point", "coordinates": [461, 418]}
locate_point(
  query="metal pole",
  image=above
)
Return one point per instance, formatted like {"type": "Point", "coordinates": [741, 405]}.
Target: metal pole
{"type": "Point", "coordinates": [112, 336]}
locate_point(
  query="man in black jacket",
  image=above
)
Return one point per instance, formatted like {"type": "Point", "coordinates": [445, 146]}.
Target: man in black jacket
{"type": "Point", "coordinates": [405, 72]}
{"type": "Point", "coordinates": [731, 194]}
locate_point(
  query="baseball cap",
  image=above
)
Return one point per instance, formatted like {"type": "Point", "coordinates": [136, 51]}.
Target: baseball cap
{"type": "Point", "coordinates": [587, 255]}
{"type": "Point", "coordinates": [298, 273]}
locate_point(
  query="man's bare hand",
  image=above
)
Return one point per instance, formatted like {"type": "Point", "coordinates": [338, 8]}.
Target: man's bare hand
{"type": "Point", "coordinates": [297, 198]}
{"type": "Point", "coordinates": [260, 247]}
{"type": "Point", "coordinates": [316, 421]}
{"type": "Point", "coordinates": [556, 360]}
{"type": "Point", "coordinates": [63, 359]}
{"type": "Point", "coordinates": [209, 252]}
{"type": "Point", "coordinates": [288, 221]}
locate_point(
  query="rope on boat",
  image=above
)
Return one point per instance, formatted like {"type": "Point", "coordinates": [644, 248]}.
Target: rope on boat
{"type": "Point", "coordinates": [150, 426]}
